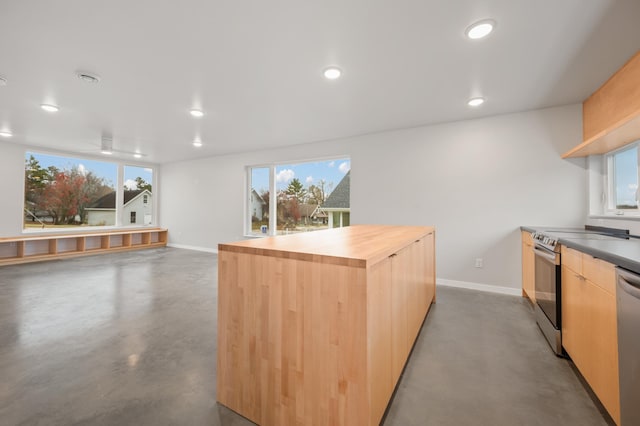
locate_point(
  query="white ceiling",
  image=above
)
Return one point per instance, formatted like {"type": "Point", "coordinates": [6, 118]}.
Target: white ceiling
{"type": "Point", "coordinates": [255, 67]}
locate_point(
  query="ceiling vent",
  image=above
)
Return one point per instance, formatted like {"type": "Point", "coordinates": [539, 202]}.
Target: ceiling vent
{"type": "Point", "coordinates": [106, 147]}
{"type": "Point", "coordinates": [88, 77]}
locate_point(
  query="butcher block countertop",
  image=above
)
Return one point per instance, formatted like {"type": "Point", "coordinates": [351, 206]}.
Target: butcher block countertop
{"type": "Point", "coordinates": [356, 245]}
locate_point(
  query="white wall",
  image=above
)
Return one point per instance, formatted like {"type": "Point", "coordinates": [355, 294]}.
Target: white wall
{"type": "Point", "coordinates": [476, 181]}
{"type": "Point", "coordinates": [11, 189]}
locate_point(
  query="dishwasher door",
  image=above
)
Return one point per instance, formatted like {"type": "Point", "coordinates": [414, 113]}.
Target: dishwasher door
{"type": "Point", "coordinates": [628, 302]}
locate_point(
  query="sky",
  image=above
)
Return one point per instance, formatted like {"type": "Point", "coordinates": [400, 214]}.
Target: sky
{"type": "Point", "coordinates": [332, 171]}
{"type": "Point", "coordinates": [626, 176]}
{"type": "Point", "coordinates": [104, 169]}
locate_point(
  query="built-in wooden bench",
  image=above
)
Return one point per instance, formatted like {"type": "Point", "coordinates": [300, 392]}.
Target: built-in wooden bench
{"type": "Point", "coordinates": [47, 246]}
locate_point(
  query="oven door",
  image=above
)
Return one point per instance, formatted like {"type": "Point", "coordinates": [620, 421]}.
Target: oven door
{"type": "Point", "coordinates": [547, 278]}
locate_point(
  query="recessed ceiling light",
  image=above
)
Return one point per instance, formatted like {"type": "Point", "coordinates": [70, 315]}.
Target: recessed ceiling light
{"type": "Point", "coordinates": [196, 113]}
{"type": "Point", "coordinates": [480, 29]}
{"type": "Point", "coordinates": [3, 81]}
{"type": "Point", "coordinates": [49, 108]}
{"type": "Point", "coordinates": [197, 143]}
{"type": "Point", "coordinates": [88, 77]}
{"type": "Point", "coordinates": [137, 155]}
{"type": "Point", "coordinates": [332, 73]}
{"type": "Point", "coordinates": [474, 102]}
{"type": "Point", "coordinates": [105, 152]}
{"type": "Point", "coordinates": [6, 134]}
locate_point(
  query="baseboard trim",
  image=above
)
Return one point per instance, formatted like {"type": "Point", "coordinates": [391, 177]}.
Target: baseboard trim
{"type": "Point", "coordinates": [196, 248]}
{"type": "Point", "coordinates": [479, 287]}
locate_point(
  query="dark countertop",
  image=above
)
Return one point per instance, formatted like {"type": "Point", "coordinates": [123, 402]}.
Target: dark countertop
{"type": "Point", "coordinates": [621, 252]}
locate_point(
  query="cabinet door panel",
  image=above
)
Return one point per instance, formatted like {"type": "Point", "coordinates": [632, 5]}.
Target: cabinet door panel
{"type": "Point", "coordinates": [430, 267]}
{"type": "Point", "coordinates": [589, 334]}
{"type": "Point", "coordinates": [572, 259]}
{"type": "Point", "coordinates": [418, 291]}
{"type": "Point", "coordinates": [573, 313]}
{"type": "Point", "coordinates": [528, 262]}
{"type": "Point", "coordinates": [399, 312]}
{"type": "Point", "coordinates": [379, 338]}
{"type": "Point", "coordinates": [600, 273]}
{"type": "Point", "coordinates": [602, 334]}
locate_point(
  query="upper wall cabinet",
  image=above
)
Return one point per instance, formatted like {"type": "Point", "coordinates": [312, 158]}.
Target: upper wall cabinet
{"type": "Point", "coordinates": [611, 115]}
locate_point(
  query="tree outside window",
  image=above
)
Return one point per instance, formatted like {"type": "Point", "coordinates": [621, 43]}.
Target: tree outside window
{"type": "Point", "coordinates": [59, 191]}
{"type": "Point", "coordinates": [300, 192]}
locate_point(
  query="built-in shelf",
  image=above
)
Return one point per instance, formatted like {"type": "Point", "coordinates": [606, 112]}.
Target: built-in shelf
{"type": "Point", "coordinates": [611, 115]}
{"type": "Point", "coordinates": [35, 248]}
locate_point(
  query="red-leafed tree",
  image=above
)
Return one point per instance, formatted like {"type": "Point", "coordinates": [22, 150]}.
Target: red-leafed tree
{"type": "Point", "coordinates": [294, 210]}
{"type": "Point", "coordinates": [64, 196]}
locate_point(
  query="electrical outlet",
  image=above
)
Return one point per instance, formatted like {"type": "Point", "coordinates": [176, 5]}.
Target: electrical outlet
{"type": "Point", "coordinates": [479, 262]}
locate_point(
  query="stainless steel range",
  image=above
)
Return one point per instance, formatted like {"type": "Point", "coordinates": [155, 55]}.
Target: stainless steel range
{"type": "Point", "coordinates": [547, 289]}
{"type": "Point", "coordinates": [548, 276]}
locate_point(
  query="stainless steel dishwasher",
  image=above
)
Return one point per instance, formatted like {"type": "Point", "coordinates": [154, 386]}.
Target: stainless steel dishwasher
{"type": "Point", "coordinates": [628, 298]}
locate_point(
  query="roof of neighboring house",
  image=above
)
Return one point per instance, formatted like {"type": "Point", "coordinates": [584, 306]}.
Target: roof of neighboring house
{"type": "Point", "coordinates": [339, 198]}
{"type": "Point", "coordinates": [258, 196]}
{"type": "Point", "coordinates": [109, 201]}
{"type": "Point", "coordinates": [307, 209]}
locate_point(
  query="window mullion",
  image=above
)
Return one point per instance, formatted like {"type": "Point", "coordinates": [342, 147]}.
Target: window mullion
{"type": "Point", "coordinates": [273, 201]}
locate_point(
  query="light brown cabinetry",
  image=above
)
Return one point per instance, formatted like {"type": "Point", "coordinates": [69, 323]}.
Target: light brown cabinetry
{"type": "Point", "coordinates": [316, 328]}
{"type": "Point", "coordinates": [49, 246]}
{"type": "Point", "coordinates": [611, 115]}
{"type": "Point", "coordinates": [413, 290]}
{"type": "Point", "coordinates": [589, 327]}
{"type": "Point", "coordinates": [528, 267]}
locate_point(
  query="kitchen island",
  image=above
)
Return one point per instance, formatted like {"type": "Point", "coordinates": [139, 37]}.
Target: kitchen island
{"type": "Point", "coordinates": [315, 328]}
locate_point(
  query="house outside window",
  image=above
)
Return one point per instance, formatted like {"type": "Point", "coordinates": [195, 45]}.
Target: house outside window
{"type": "Point", "coordinates": [133, 217]}
{"type": "Point", "coordinates": [298, 197]}
{"type": "Point", "coordinates": [77, 192]}
{"type": "Point", "coordinates": [138, 193]}
{"type": "Point", "coordinates": [622, 180]}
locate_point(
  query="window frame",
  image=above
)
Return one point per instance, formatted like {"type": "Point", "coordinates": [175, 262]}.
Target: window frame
{"type": "Point", "coordinates": [273, 205]}
{"type": "Point", "coordinates": [610, 196]}
{"type": "Point", "coordinates": [119, 218]}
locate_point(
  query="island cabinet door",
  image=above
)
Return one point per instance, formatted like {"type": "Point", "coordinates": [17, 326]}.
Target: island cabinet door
{"type": "Point", "coordinates": [400, 292]}
{"type": "Point", "coordinates": [420, 284]}
{"type": "Point", "coordinates": [379, 341]}
{"type": "Point", "coordinates": [429, 242]}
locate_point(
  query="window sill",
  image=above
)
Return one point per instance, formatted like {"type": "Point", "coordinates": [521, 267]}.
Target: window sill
{"type": "Point", "coordinates": [635, 217]}
{"type": "Point", "coordinates": [82, 229]}
{"type": "Point", "coordinates": [256, 235]}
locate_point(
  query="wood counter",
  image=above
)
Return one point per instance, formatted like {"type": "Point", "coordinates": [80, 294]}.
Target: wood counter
{"type": "Point", "coordinates": [316, 328]}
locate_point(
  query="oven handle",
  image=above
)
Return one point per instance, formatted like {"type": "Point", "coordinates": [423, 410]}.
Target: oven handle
{"type": "Point", "coordinates": [543, 253]}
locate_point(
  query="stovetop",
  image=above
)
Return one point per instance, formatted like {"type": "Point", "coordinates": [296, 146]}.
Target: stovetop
{"type": "Point", "coordinates": [549, 239]}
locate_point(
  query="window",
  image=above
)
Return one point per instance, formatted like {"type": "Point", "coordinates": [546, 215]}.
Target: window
{"type": "Point", "coordinates": [64, 192]}
{"type": "Point", "coordinates": [132, 219]}
{"type": "Point", "coordinates": [622, 180]}
{"type": "Point", "coordinates": [138, 191]}
{"type": "Point", "coordinates": [67, 192]}
{"type": "Point", "coordinates": [298, 197]}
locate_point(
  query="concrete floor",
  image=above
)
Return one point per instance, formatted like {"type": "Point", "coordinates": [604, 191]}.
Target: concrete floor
{"type": "Point", "coordinates": [129, 339]}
